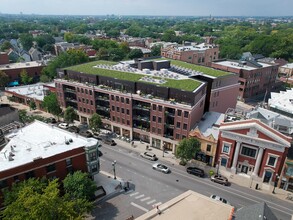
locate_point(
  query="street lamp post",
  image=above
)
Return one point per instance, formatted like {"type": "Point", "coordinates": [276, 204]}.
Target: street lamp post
{"type": "Point", "coordinates": [164, 149]}
{"type": "Point", "coordinates": [113, 164]}
{"type": "Point", "coordinates": [218, 166]}
{"type": "Point", "coordinates": [275, 183]}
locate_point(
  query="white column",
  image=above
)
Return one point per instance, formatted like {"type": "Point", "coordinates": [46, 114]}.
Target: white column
{"type": "Point", "coordinates": [258, 161]}
{"type": "Point", "coordinates": [235, 158]}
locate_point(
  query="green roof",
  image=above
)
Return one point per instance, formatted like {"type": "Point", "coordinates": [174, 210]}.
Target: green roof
{"type": "Point", "coordinates": [184, 84]}
{"type": "Point", "coordinates": [203, 69]}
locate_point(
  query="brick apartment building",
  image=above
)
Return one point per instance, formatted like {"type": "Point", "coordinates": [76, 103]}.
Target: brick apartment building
{"type": "Point", "coordinates": [149, 100]}
{"type": "Point", "coordinates": [255, 78]}
{"type": "Point", "coordinates": [201, 54]}
{"type": "Point", "coordinates": [43, 150]}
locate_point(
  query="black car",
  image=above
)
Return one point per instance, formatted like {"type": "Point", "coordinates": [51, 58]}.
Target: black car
{"type": "Point", "coordinates": [109, 141]}
{"type": "Point", "coordinates": [51, 120]}
{"type": "Point", "coordinates": [73, 129]}
{"type": "Point", "coordinates": [87, 134]}
{"type": "Point", "coordinates": [195, 171]}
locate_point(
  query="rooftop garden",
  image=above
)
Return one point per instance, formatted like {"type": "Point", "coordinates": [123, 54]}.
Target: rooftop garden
{"type": "Point", "coordinates": [203, 69]}
{"type": "Point", "coordinates": [185, 84]}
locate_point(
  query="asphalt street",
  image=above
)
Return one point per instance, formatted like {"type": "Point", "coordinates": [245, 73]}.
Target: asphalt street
{"type": "Point", "coordinates": [150, 187]}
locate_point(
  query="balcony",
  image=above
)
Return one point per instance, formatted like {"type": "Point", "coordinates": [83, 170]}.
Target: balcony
{"type": "Point", "coordinates": [69, 99]}
{"type": "Point", "coordinates": [103, 98]}
{"type": "Point", "coordinates": [70, 90]}
{"type": "Point", "coordinates": [103, 108]}
{"type": "Point", "coordinates": [141, 107]}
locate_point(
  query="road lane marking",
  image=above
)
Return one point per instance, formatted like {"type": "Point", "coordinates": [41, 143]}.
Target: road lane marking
{"type": "Point", "coordinates": [133, 194]}
{"type": "Point", "coordinates": [140, 196]}
{"type": "Point", "coordinates": [144, 199]}
{"type": "Point", "coordinates": [150, 202]}
{"type": "Point", "coordinates": [140, 207]}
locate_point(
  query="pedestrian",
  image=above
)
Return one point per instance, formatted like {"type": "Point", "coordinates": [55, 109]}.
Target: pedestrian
{"type": "Point", "coordinates": [147, 147]}
{"type": "Point", "coordinates": [158, 210]}
{"type": "Point", "coordinates": [132, 143]}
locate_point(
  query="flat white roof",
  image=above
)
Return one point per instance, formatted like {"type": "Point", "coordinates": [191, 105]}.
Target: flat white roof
{"type": "Point", "coordinates": [39, 140]}
{"type": "Point", "coordinates": [236, 65]}
{"type": "Point", "coordinates": [207, 126]}
{"type": "Point", "coordinates": [34, 91]}
{"type": "Point", "coordinates": [20, 65]}
{"type": "Point", "coordinates": [202, 47]}
{"type": "Point", "coordinates": [288, 65]}
{"type": "Point", "coordinates": [282, 101]}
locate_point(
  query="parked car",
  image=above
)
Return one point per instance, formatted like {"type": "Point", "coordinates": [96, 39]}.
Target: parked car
{"type": "Point", "coordinates": [109, 141]}
{"type": "Point", "coordinates": [220, 199]}
{"type": "Point", "coordinates": [149, 156]}
{"type": "Point", "coordinates": [87, 134]}
{"type": "Point", "coordinates": [195, 171]}
{"type": "Point", "coordinates": [219, 179]}
{"type": "Point", "coordinates": [51, 120]}
{"type": "Point", "coordinates": [63, 125]}
{"type": "Point", "coordinates": [73, 129]}
{"type": "Point", "coordinates": [161, 167]}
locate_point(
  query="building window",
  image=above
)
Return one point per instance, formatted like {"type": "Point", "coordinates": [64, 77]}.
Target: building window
{"type": "Point", "coordinates": [112, 97]}
{"type": "Point", "coordinates": [3, 184]}
{"type": "Point", "coordinates": [81, 90]}
{"type": "Point", "coordinates": [88, 111]}
{"type": "Point", "coordinates": [209, 147]}
{"type": "Point", "coordinates": [153, 129]}
{"type": "Point", "coordinates": [127, 111]}
{"type": "Point", "coordinates": [154, 118]}
{"type": "Point", "coordinates": [184, 126]}
{"type": "Point", "coordinates": [178, 125]}
{"type": "Point", "coordinates": [92, 102]}
{"type": "Point", "coordinates": [123, 121]}
{"type": "Point", "coordinates": [86, 91]}
{"type": "Point", "coordinates": [94, 168]}
{"type": "Point", "coordinates": [226, 148]}
{"type": "Point", "coordinates": [272, 161]}
{"type": "Point", "coordinates": [122, 99]}
{"type": "Point", "coordinates": [159, 120]}
{"type": "Point", "coordinates": [118, 120]}
{"type": "Point", "coordinates": [117, 109]}
{"type": "Point", "coordinates": [113, 108]}
{"type": "Point", "coordinates": [160, 108]}
{"type": "Point", "coordinates": [122, 110]}
{"type": "Point", "coordinates": [128, 123]}
{"type": "Point", "coordinates": [249, 152]}
{"type": "Point", "coordinates": [179, 112]}
{"type": "Point", "coordinates": [77, 89]}
{"type": "Point", "coordinates": [91, 92]}
{"type": "Point", "coordinates": [117, 98]}
{"type": "Point", "coordinates": [87, 101]}
{"type": "Point", "coordinates": [30, 174]}
{"type": "Point", "coordinates": [83, 100]}
{"type": "Point", "coordinates": [159, 131]}
{"type": "Point", "coordinates": [127, 101]}
{"type": "Point", "coordinates": [224, 162]}
{"type": "Point", "coordinates": [84, 109]}
{"type": "Point", "coordinates": [68, 162]}
{"type": "Point", "coordinates": [93, 156]}
{"type": "Point", "coordinates": [177, 136]}
{"type": "Point", "coordinates": [50, 168]}
{"type": "Point", "coordinates": [154, 107]}
{"type": "Point", "coordinates": [185, 114]}
{"type": "Point", "coordinates": [113, 118]}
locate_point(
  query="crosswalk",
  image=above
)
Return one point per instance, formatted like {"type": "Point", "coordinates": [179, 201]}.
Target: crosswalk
{"type": "Point", "coordinates": [145, 203]}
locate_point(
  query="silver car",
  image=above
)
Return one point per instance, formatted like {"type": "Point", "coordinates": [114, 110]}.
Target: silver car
{"type": "Point", "coordinates": [161, 167]}
{"type": "Point", "coordinates": [149, 156]}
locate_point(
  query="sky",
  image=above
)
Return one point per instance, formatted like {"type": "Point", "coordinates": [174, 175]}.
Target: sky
{"type": "Point", "coordinates": [150, 7]}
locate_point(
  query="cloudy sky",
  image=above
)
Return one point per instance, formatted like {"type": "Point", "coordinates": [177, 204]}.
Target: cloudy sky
{"type": "Point", "coordinates": [150, 7]}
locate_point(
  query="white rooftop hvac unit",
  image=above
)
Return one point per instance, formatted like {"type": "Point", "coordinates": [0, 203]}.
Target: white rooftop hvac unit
{"type": "Point", "coordinates": [147, 71]}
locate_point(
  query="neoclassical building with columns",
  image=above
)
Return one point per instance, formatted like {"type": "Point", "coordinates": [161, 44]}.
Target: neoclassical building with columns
{"type": "Point", "coordinates": [253, 149]}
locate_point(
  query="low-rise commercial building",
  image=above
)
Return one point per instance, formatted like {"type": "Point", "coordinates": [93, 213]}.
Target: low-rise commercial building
{"type": "Point", "coordinates": [282, 102]}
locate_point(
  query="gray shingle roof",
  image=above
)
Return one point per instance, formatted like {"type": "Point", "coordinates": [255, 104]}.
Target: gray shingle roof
{"type": "Point", "coordinates": [257, 211]}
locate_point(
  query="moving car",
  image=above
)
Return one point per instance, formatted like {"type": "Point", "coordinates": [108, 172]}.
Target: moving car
{"type": "Point", "coordinates": [149, 156]}
{"type": "Point", "coordinates": [73, 129]}
{"type": "Point", "coordinates": [195, 171]}
{"type": "Point", "coordinates": [220, 199]}
{"type": "Point", "coordinates": [63, 125]}
{"type": "Point", "coordinates": [219, 179]}
{"type": "Point", "coordinates": [161, 167]}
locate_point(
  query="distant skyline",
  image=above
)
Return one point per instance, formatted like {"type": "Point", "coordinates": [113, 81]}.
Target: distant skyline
{"type": "Point", "coordinates": [150, 7]}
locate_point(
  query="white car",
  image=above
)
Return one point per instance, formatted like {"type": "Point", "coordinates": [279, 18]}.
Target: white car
{"type": "Point", "coordinates": [161, 167]}
{"type": "Point", "coordinates": [149, 156]}
{"type": "Point", "coordinates": [63, 125]}
{"type": "Point", "coordinates": [220, 199]}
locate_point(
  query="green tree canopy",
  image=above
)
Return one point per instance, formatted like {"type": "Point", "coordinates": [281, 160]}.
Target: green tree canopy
{"type": "Point", "coordinates": [32, 105]}
{"type": "Point", "coordinates": [187, 149]}
{"type": "Point", "coordinates": [135, 53]}
{"type": "Point", "coordinates": [44, 78]}
{"type": "Point", "coordinates": [45, 39]}
{"type": "Point", "coordinates": [25, 78]}
{"type": "Point", "coordinates": [156, 50]}
{"type": "Point", "coordinates": [51, 104]}
{"type": "Point", "coordinates": [70, 114]}
{"type": "Point", "coordinates": [26, 41]}
{"type": "Point", "coordinates": [79, 186]}
{"type": "Point", "coordinates": [95, 122]}
{"type": "Point", "coordinates": [35, 199]}
{"type": "Point", "coordinates": [4, 79]}
{"type": "Point", "coordinates": [5, 46]}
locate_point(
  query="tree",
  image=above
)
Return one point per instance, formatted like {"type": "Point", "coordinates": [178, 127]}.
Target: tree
{"type": "Point", "coordinates": [5, 46]}
{"type": "Point", "coordinates": [26, 41]}
{"type": "Point", "coordinates": [116, 54]}
{"type": "Point", "coordinates": [135, 53]}
{"type": "Point", "coordinates": [95, 122]}
{"type": "Point", "coordinates": [25, 78]}
{"type": "Point", "coordinates": [70, 114]}
{"type": "Point", "coordinates": [187, 149]}
{"type": "Point", "coordinates": [32, 105]}
{"type": "Point", "coordinates": [40, 199]}
{"type": "Point", "coordinates": [4, 79]}
{"type": "Point", "coordinates": [44, 78]}
{"type": "Point", "coordinates": [51, 104]}
{"type": "Point", "coordinates": [79, 186]}
{"type": "Point", "coordinates": [156, 51]}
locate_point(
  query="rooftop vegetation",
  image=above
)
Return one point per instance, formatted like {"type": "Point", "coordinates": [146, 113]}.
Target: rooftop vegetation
{"type": "Point", "coordinates": [185, 84]}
